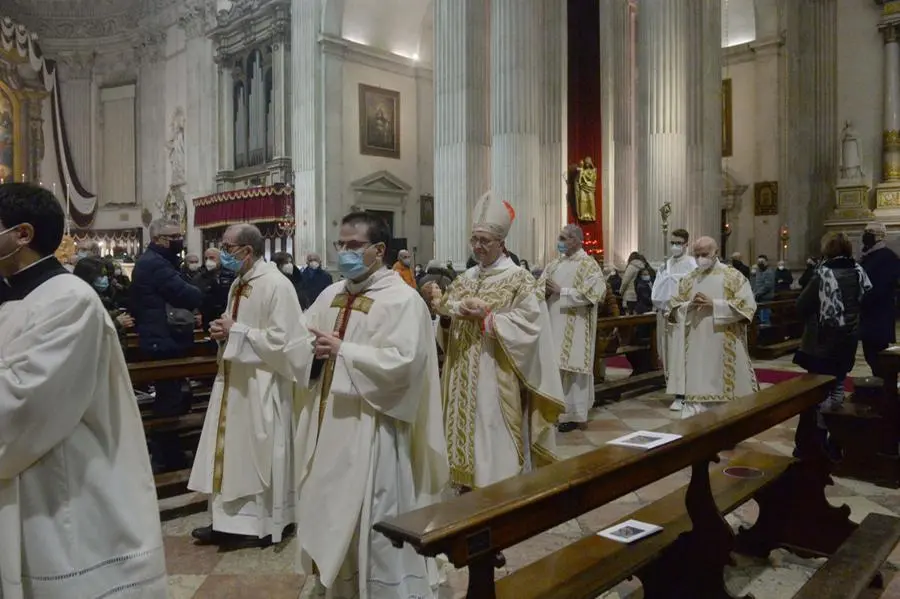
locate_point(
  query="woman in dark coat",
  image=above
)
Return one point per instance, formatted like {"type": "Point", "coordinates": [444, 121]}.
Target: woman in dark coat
{"type": "Point", "coordinates": [831, 305]}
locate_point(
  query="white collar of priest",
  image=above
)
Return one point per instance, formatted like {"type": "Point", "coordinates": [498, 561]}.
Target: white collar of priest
{"type": "Point", "coordinates": [19, 285]}
{"type": "Point", "coordinates": [368, 282]}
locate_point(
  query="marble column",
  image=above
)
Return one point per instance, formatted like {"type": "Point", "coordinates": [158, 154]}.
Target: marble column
{"type": "Point", "coordinates": [226, 115]}
{"type": "Point", "coordinates": [515, 97]}
{"type": "Point", "coordinates": [887, 194]}
{"type": "Point", "coordinates": [552, 130]}
{"type": "Point", "coordinates": [79, 108]}
{"type": "Point", "coordinates": [462, 143]}
{"type": "Point", "coordinates": [680, 119]}
{"type": "Point", "coordinates": [617, 109]}
{"type": "Point", "coordinates": [280, 79]}
{"type": "Point", "coordinates": [305, 126]}
{"type": "Point", "coordinates": [809, 122]}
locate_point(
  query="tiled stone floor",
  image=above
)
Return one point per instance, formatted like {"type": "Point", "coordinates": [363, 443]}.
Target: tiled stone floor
{"type": "Point", "coordinates": [206, 573]}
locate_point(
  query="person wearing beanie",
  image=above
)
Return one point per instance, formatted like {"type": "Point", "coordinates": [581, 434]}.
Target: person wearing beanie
{"type": "Point", "coordinates": [876, 321]}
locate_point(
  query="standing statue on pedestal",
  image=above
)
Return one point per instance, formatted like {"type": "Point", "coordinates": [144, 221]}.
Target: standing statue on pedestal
{"type": "Point", "coordinates": [586, 188]}
{"type": "Point", "coordinates": [175, 147]}
{"type": "Point", "coordinates": [851, 161]}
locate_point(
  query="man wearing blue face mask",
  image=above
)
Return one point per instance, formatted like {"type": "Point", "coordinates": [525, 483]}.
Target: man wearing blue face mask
{"type": "Point", "coordinates": [575, 286]}
{"type": "Point", "coordinates": [244, 460]}
{"type": "Point", "coordinates": [374, 419]}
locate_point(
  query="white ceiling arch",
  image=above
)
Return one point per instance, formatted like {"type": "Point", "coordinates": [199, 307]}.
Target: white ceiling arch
{"type": "Point", "coordinates": [403, 27]}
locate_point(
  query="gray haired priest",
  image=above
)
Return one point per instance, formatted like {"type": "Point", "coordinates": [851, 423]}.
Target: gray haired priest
{"type": "Point", "coordinates": [574, 286]}
{"type": "Point", "coordinates": [708, 358]}
{"type": "Point", "coordinates": [500, 384]}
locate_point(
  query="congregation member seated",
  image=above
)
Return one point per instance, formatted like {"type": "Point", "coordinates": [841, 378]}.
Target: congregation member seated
{"type": "Point", "coordinates": [315, 279]}
{"type": "Point", "coordinates": [214, 282]}
{"type": "Point", "coordinates": [94, 272]}
{"type": "Point", "coordinates": [285, 263]}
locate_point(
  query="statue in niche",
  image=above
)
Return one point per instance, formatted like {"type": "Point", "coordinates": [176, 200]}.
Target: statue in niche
{"type": "Point", "coordinates": [586, 188]}
{"type": "Point", "coordinates": [851, 161]}
{"type": "Point", "coordinates": [175, 147]}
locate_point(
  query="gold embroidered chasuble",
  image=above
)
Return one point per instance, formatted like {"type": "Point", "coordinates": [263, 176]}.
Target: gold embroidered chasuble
{"type": "Point", "coordinates": [573, 313]}
{"type": "Point", "coordinates": [708, 356]}
{"type": "Point", "coordinates": [500, 383]}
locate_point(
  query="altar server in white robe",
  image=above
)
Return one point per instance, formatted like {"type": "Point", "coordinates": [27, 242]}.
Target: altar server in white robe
{"type": "Point", "coordinates": [709, 360]}
{"type": "Point", "coordinates": [245, 457]}
{"type": "Point", "coordinates": [78, 511]}
{"type": "Point", "coordinates": [575, 287]}
{"type": "Point", "coordinates": [679, 264]}
{"type": "Point", "coordinates": [501, 387]}
{"type": "Point", "coordinates": [370, 442]}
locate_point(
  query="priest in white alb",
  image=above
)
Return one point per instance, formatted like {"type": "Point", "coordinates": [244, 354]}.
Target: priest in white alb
{"type": "Point", "coordinates": [78, 511]}
{"type": "Point", "coordinates": [245, 457]}
{"type": "Point", "coordinates": [709, 361]}
{"type": "Point", "coordinates": [679, 264]}
{"type": "Point", "coordinates": [501, 386]}
{"type": "Point", "coordinates": [575, 287]}
{"type": "Point", "coordinates": [370, 442]}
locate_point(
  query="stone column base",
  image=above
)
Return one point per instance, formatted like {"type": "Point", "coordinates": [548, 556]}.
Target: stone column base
{"type": "Point", "coordinates": [887, 201]}
{"type": "Point", "coordinates": [852, 202]}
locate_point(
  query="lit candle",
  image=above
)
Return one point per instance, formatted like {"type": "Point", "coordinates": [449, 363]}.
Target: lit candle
{"type": "Point", "coordinates": [23, 177]}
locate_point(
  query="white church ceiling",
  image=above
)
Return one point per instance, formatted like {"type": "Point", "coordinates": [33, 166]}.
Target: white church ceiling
{"type": "Point", "coordinates": [399, 26]}
{"type": "Point", "coordinates": [738, 22]}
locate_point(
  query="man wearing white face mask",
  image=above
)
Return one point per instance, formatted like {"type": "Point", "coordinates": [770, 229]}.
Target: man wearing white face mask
{"type": "Point", "coordinates": [708, 359]}
{"type": "Point", "coordinates": [374, 445]}
{"type": "Point", "coordinates": [314, 278]}
{"type": "Point", "coordinates": [244, 461]}
{"type": "Point", "coordinates": [677, 266]}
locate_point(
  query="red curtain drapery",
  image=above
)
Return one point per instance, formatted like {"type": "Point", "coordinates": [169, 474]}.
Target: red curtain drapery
{"type": "Point", "coordinates": [584, 126]}
{"type": "Point", "coordinates": [251, 205]}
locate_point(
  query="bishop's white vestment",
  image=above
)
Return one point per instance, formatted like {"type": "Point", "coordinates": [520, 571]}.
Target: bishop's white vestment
{"type": "Point", "coordinates": [245, 457]}
{"type": "Point", "coordinates": [78, 511]}
{"type": "Point", "coordinates": [573, 322]}
{"type": "Point", "coordinates": [500, 384]}
{"type": "Point", "coordinates": [370, 443]}
{"type": "Point", "coordinates": [709, 360]}
{"type": "Point", "coordinates": [664, 287]}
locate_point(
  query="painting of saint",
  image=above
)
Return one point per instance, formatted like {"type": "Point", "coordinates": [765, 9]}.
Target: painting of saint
{"type": "Point", "coordinates": [379, 122]}
{"type": "Point", "coordinates": [7, 138]}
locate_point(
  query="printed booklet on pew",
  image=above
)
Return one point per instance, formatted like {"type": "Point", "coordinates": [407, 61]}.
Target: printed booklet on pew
{"type": "Point", "coordinates": [629, 531]}
{"type": "Point", "coordinates": [644, 439]}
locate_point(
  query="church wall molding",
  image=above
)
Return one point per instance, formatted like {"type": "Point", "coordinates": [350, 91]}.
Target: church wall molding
{"type": "Point", "coordinates": [374, 57]}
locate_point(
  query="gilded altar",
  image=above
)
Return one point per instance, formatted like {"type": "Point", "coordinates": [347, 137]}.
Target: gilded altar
{"type": "Point", "coordinates": [21, 121]}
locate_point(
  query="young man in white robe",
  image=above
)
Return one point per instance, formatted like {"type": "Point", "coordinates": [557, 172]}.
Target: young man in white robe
{"type": "Point", "coordinates": [370, 441]}
{"type": "Point", "coordinates": [501, 387]}
{"type": "Point", "coordinates": [575, 287]}
{"type": "Point", "coordinates": [679, 264]}
{"type": "Point", "coordinates": [709, 361]}
{"type": "Point", "coordinates": [245, 457]}
{"type": "Point", "coordinates": [78, 511]}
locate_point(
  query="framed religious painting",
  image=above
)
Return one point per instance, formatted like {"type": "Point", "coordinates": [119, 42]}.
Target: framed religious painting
{"type": "Point", "coordinates": [727, 120]}
{"type": "Point", "coordinates": [765, 198]}
{"type": "Point", "coordinates": [379, 121]}
{"type": "Point", "coordinates": [426, 210]}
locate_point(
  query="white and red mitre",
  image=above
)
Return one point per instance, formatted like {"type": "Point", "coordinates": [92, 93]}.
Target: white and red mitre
{"type": "Point", "coordinates": [493, 215]}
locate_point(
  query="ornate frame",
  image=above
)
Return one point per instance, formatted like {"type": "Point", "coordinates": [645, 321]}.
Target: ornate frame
{"type": "Point", "coordinates": [365, 147]}
{"type": "Point", "coordinates": [21, 143]}
{"type": "Point", "coordinates": [727, 120]}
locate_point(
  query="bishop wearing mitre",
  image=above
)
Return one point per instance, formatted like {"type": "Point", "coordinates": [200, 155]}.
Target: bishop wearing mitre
{"type": "Point", "coordinates": [678, 265]}
{"type": "Point", "coordinates": [575, 287]}
{"type": "Point", "coordinates": [709, 360]}
{"type": "Point", "coordinates": [501, 387]}
{"type": "Point", "coordinates": [244, 460]}
{"type": "Point", "coordinates": [370, 442]}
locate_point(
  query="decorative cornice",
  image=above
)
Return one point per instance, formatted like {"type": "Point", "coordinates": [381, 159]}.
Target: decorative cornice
{"type": "Point", "coordinates": [751, 51]}
{"type": "Point", "coordinates": [198, 17]}
{"type": "Point", "coordinates": [374, 57]}
{"type": "Point", "coordinates": [75, 65]}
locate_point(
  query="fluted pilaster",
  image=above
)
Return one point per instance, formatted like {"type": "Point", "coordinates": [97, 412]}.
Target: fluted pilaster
{"type": "Point", "coordinates": [809, 155]}
{"type": "Point", "coordinates": [226, 120]}
{"type": "Point", "coordinates": [890, 171]}
{"type": "Point", "coordinates": [680, 118]}
{"type": "Point", "coordinates": [462, 146]}
{"type": "Point", "coordinates": [552, 130]}
{"type": "Point", "coordinates": [617, 109]}
{"type": "Point", "coordinates": [515, 139]}
{"type": "Point", "coordinates": [305, 127]}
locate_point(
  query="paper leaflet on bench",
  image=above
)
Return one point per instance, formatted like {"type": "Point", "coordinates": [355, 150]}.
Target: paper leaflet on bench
{"type": "Point", "coordinates": [644, 439]}
{"type": "Point", "coordinates": [629, 531]}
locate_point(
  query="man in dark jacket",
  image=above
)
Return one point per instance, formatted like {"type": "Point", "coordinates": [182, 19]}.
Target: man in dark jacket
{"type": "Point", "coordinates": [156, 286]}
{"type": "Point", "coordinates": [315, 279]}
{"type": "Point", "coordinates": [876, 323]}
{"type": "Point", "coordinates": [739, 265]}
{"type": "Point", "coordinates": [215, 283]}
{"type": "Point", "coordinates": [808, 273]}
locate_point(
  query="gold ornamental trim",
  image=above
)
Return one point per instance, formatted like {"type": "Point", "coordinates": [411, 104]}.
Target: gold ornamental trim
{"type": "Point", "coordinates": [891, 137]}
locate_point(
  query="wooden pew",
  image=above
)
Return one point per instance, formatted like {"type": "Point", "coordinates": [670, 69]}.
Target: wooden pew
{"type": "Point", "coordinates": [641, 351]}
{"type": "Point", "coordinates": [794, 512]}
{"type": "Point", "coordinates": [867, 427]}
{"type": "Point", "coordinates": [131, 339]}
{"type": "Point", "coordinates": [174, 498]}
{"type": "Point", "coordinates": [853, 567]}
{"type": "Point", "coordinates": [779, 338]}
